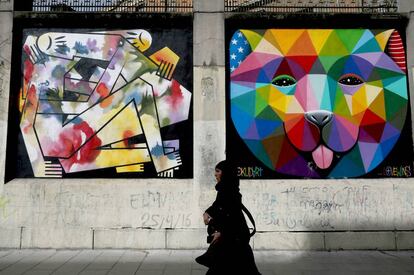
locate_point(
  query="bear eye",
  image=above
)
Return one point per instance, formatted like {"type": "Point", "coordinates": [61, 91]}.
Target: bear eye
{"type": "Point", "coordinates": [283, 80]}
{"type": "Point", "coordinates": [350, 79]}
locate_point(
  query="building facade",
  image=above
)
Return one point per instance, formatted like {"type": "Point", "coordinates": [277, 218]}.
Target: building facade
{"type": "Point", "coordinates": [112, 121]}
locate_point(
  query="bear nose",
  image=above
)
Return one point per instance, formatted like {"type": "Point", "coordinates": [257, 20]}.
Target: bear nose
{"type": "Point", "coordinates": [319, 118]}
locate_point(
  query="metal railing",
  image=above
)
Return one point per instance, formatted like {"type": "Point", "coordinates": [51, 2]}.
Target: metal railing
{"type": "Point", "coordinates": [312, 6]}
{"type": "Point", "coordinates": [113, 5]}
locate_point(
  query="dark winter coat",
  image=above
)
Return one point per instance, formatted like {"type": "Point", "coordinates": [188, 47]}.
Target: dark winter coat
{"type": "Point", "coordinates": [227, 215]}
{"type": "Point", "coordinates": [232, 252]}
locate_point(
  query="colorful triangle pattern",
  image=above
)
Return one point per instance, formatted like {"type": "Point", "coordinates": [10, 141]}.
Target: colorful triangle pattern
{"type": "Point", "coordinates": [280, 76]}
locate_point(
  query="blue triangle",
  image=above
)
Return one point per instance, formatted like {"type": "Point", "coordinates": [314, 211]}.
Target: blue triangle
{"type": "Point", "coordinates": [351, 67]}
{"type": "Point", "coordinates": [238, 90]}
{"type": "Point", "coordinates": [287, 90]}
{"type": "Point", "coordinates": [370, 46]}
{"type": "Point", "coordinates": [364, 39]}
{"type": "Point", "coordinates": [378, 158]}
{"type": "Point", "coordinates": [263, 77]}
{"type": "Point", "coordinates": [389, 132]}
{"type": "Point", "coordinates": [397, 85]}
{"type": "Point", "coordinates": [241, 120]}
{"type": "Point", "coordinates": [266, 127]}
{"type": "Point", "coordinates": [387, 145]}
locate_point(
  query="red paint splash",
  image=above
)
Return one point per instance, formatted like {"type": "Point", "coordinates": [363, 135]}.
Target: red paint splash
{"type": "Point", "coordinates": [28, 70]}
{"type": "Point", "coordinates": [102, 90]}
{"type": "Point", "coordinates": [126, 135]}
{"type": "Point", "coordinates": [176, 96]}
{"type": "Point", "coordinates": [69, 142]}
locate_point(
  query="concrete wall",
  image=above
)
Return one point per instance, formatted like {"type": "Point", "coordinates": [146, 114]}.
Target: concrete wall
{"type": "Point", "coordinates": [151, 213]}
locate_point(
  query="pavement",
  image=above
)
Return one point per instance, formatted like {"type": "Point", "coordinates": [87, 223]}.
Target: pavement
{"type": "Point", "coordinates": [181, 262]}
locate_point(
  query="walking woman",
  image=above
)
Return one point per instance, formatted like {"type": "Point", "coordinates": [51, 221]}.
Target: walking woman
{"type": "Point", "coordinates": [229, 251]}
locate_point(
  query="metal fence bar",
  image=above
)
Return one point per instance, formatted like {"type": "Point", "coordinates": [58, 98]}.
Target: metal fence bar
{"type": "Point", "coordinates": [113, 5]}
{"type": "Point", "coordinates": [312, 6]}
{"type": "Point", "coordinates": [277, 6]}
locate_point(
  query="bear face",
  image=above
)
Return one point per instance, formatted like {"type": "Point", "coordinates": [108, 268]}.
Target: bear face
{"type": "Point", "coordinates": [318, 103]}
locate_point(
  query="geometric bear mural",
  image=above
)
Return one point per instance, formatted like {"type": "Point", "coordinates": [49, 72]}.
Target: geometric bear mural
{"type": "Point", "coordinates": [92, 101]}
{"type": "Point", "coordinates": [318, 103]}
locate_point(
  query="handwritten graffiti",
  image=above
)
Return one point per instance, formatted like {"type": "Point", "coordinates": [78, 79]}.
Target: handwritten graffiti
{"type": "Point", "coordinates": [175, 220]}
{"type": "Point", "coordinates": [158, 199]}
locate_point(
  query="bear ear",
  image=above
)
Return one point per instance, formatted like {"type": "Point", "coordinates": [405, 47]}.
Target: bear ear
{"type": "Point", "coordinates": [241, 45]}
{"type": "Point", "coordinates": [252, 37]}
{"type": "Point", "coordinates": [391, 43]}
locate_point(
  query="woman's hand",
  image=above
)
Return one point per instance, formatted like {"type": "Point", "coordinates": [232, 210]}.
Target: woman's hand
{"type": "Point", "coordinates": [206, 218]}
{"type": "Point", "coordinates": [216, 237]}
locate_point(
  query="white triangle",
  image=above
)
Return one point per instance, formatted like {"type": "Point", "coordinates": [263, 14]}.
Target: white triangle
{"type": "Point", "coordinates": [371, 92]}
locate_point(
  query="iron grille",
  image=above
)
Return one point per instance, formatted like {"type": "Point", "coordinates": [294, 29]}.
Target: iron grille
{"type": "Point", "coordinates": [312, 6]}
{"type": "Point", "coordinates": [113, 5]}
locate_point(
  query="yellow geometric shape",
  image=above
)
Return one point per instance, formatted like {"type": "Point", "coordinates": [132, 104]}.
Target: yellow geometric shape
{"type": "Point", "coordinates": [252, 37]}
{"type": "Point", "coordinates": [124, 125]}
{"type": "Point", "coordinates": [279, 102]}
{"type": "Point", "coordinates": [378, 106]}
{"type": "Point", "coordinates": [121, 157]}
{"type": "Point", "coordinates": [268, 36]}
{"type": "Point", "coordinates": [130, 168]}
{"type": "Point", "coordinates": [360, 96]}
{"type": "Point", "coordinates": [319, 37]}
{"type": "Point", "coordinates": [167, 61]}
{"type": "Point", "coordinates": [286, 38]}
{"type": "Point", "coordinates": [357, 110]}
{"type": "Point", "coordinates": [382, 38]}
{"type": "Point", "coordinates": [21, 99]}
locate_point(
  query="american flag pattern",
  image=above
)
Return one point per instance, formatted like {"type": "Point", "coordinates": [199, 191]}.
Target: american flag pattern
{"type": "Point", "coordinates": [239, 49]}
{"type": "Point", "coordinates": [396, 50]}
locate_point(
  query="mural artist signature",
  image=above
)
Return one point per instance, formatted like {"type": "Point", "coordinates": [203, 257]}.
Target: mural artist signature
{"type": "Point", "coordinates": [250, 172]}
{"type": "Point", "coordinates": [396, 171]}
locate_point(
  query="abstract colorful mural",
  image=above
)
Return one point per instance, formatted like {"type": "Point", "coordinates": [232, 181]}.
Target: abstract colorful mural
{"type": "Point", "coordinates": [318, 102]}
{"type": "Point", "coordinates": [103, 100]}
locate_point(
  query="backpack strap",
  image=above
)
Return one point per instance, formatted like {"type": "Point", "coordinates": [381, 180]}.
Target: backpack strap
{"type": "Point", "coordinates": [250, 218]}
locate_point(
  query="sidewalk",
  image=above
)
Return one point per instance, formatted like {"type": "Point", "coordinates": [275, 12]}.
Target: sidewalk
{"type": "Point", "coordinates": [181, 262]}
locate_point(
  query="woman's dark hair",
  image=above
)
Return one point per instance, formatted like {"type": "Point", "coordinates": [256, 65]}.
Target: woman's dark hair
{"type": "Point", "coordinates": [229, 173]}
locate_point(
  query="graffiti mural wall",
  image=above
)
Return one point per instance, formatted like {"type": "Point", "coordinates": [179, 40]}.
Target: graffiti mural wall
{"type": "Point", "coordinates": [110, 104]}
{"type": "Point", "coordinates": [318, 103]}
